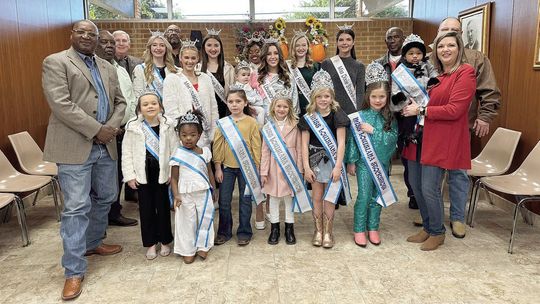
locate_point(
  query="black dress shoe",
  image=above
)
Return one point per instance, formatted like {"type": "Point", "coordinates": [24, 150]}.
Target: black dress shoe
{"type": "Point", "coordinates": [412, 203]}
{"type": "Point", "coordinates": [273, 238]}
{"type": "Point", "coordinates": [290, 239]}
{"type": "Point", "coordinates": [122, 221]}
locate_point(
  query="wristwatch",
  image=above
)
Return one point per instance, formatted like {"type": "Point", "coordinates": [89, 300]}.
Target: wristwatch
{"type": "Point", "coordinates": [422, 111]}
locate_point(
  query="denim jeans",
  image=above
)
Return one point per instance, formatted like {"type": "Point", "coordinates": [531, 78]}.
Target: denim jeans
{"type": "Point", "coordinates": [458, 185]}
{"type": "Point", "coordinates": [426, 184]}
{"type": "Point", "coordinates": [225, 197]}
{"type": "Point", "coordinates": [89, 190]}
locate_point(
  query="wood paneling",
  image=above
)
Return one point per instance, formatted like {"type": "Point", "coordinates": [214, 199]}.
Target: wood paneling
{"type": "Point", "coordinates": [31, 30]}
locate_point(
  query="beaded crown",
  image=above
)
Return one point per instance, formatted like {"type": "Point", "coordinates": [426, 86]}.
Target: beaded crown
{"type": "Point", "coordinates": [284, 93]}
{"type": "Point", "coordinates": [242, 65]}
{"type": "Point", "coordinates": [156, 33]}
{"type": "Point", "coordinates": [189, 118]}
{"type": "Point", "coordinates": [213, 32]}
{"type": "Point", "coordinates": [236, 87]}
{"type": "Point", "coordinates": [189, 43]}
{"type": "Point", "coordinates": [345, 27]}
{"type": "Point", "coordinates": [255, 38]}
{"type": "Point", "coordinates": [270, 40]}
{"type": "Point", "coordinates": [412, 38]}
{"type": "Point", "coordinates": [321, 80]}
{"type": "Point", "coordinates": [375, 73]}
{"type": "Point", "coordinates": [299, 34]}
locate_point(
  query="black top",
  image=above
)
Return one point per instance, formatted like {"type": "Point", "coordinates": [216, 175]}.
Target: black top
{"type": "Point", "coordinates": [334, 120]}
{"type": "Point", "coordinates": [162, 73]}
{"type": "Point", "coordinates": [222, 106]}
{"type": "Point", "coordinates": [307, 74]}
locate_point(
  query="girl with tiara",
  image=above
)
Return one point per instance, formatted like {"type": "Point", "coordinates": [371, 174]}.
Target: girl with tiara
{"type": "Point", "coordinates": [158, 63]}
{"type": "Point", "coordinates": [302, 68]}
{"type": "Point", "coordinates": [370, 146]}
{"type": "Point", "coordinates": [148, 144]}
{"type": "Point", "coordinates": [192, 183]}
{"type": "Point", "coordinates": [214, 65]}
{"type": "Point", "coordinates": [347, 73]}
{"type": "Point", "coordinates": [323, 148]}
{"type": "Point", "coordinates": [191, 90]}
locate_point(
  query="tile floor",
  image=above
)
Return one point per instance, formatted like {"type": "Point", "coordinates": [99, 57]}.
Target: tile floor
{"type": "Point", "coordinates": [476, 269]}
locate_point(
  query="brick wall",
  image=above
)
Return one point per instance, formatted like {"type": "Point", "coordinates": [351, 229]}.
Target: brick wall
{"type": "Point", "coordinates": [369, 43]}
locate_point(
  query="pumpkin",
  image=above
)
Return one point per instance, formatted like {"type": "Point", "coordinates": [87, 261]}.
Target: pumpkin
{"type": "Point", "coordinates": [318, 53]}
{"type": "Point", "coordinates": [284, 50]}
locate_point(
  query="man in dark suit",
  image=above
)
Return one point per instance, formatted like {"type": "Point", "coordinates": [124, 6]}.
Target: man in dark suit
{"type": "Point", "coordinates": [87, 107]}
{"type": "Point", "coordinates": [122, 46]}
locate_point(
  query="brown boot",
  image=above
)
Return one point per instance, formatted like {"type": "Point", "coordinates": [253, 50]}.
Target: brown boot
{"type": "Point", "coordinates": [189, 259]}
{"type": "Point", "coordinates": [328, 238]}
{"type": "Point", "coordinates": [72, 288]}
{"type": "Point", "coordinates": [419, 237]}
{"type": "Point", "coordinates": [318, 233]}
{"type": "Point", "coordinates": [433, 242]}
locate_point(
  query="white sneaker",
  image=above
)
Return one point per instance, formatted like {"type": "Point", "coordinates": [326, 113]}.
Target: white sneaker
{"type": "Point", "coordinates": [260, 225]}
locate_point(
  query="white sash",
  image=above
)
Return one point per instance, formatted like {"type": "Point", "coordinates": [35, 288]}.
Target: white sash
{"type": "Point", "coordinates": [243, 157]}
{"type": "Point", "coordinates": [387, 196]}
{"type": "Point", "coordinates": [346, 80]}
{"type": "Point", "coordinates": [157, 84]}
{"type": "Point", "coordinates": [300, 81]}
{"type": "Point", "coordinates": [194, 99]}
{"type": "Point", "coordinates": [151, 139]}
{"type": "Point", "coordinates": [220, 91]}
{"type": "Point", "coordinates": [268, 92]}
{"type": "Point", "coordinates": [325, 136]}
{"type": "Point", "coordinates": [410, 86]}
{"type": "Point", "coordinates": [288, 167]}
{"type": "Point", "coordinates": [193, 161]}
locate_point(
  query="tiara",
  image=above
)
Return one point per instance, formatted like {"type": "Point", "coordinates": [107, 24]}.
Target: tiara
{"type": "Point", "coordinates": [300, 33]}
{"type": "Point", "coordinates": [213, 32]}
{"type": "Point", "coordinates": [284, 93]}
{"type": "Point", "coordinates": [156, 33]}
{"type": "Point", "coordinates": [242, 65]}
{"type": "Point", "coordinates": [345, 27]}
{"type": "Point", "coordinates": [321, 80]}
{"type": "Point", "coordinates": [189, 43]}
{"type": "Point", "coordinates": [189, 118]}
{"type": "Point", "coordinates": [255, 38]}
{"type": "Point", "coordinates": [270, 40]}
{"type": "Point", "coordinates": [412, 38]}
{"type": "Point", "coordinates": [236, 87]}
{"type": "Point", "coordinates": [375, 73]}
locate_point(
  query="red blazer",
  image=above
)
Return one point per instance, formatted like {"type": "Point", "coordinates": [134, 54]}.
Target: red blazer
{"type": "Point", "coordinates": [446, 140]}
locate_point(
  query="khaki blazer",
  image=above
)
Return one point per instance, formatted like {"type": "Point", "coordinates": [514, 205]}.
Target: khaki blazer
{"type": "Point", "coordinates": [70, 91]}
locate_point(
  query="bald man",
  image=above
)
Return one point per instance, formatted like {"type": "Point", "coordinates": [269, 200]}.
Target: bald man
{"type": "Point", "coordinates": [172, 34]}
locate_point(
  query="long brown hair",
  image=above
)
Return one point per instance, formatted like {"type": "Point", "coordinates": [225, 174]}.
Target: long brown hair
{"type": "Point", "coordinates": [221, 57]}
{"type": "Point", "coordinates": [149, 62]}
{"type": "Point", "coordinates": [385, 111]}
{"type": "Point", "coordinates": [350, 32]}
{"type": "Point", "coordinates": [283, 70]}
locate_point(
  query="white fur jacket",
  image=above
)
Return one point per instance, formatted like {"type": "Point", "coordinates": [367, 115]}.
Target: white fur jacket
{"type": "Point", "coordinates": [177, 101]}
{"type": "Point", "coordinates": [134, 150]}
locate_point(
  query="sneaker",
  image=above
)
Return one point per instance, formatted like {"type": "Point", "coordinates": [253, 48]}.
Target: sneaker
{"type": "Point", "coordinates": [260, 225]}
{"type": "Point", "coordinates": [151, 253]}
{"type": "Point", "coordinates": [458, 229]}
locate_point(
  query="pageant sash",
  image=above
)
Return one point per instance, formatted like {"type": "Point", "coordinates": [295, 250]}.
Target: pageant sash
{"type": "Point", "coordinates": [387, 196]}
{"type": "Point", "coordinates": [151, 140]}
{"type": "Point", "coordinates": [268, 92]}
{"type": "Point", "coordinates": [243, 157]}
{"type": "Point", "coordinates": [194, 162]}
{"type": "Point", "coordinates": [325, 136]}
{"type": "Point", "coordinates": [410, 86]}
{"type": "Point", "coordinates": [220, 91]}
{"type": "Point", "coordinates": [300, 81]}
{"type": "Point", "coordinates": [157, 84]}
{"type": "Point", "coordinates": [345, 78]}
{"type": "Point", "coordinates": [195, 100]}
{"type": "Point", "coordinates": [302, 200]}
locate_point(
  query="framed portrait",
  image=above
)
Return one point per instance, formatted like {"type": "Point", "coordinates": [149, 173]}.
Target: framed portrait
{"type": "Point", "coordinates": [536, 61]}
{"type": "Point", "coordinates": [475, 23]}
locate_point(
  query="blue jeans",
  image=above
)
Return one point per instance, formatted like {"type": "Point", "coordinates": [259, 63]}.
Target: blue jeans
{"type": "Point", "coordinates": [458, 185]}
{"type": "Point", "coordinates": [89, 190]}
{"type": "Point", "coordinates": [226, 189]}
{"type": "Point", "coordinates": [426, 184]}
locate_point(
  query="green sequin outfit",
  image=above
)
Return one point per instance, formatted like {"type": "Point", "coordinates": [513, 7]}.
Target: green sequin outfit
{"type": "Point", "coordinates": [366, 210]}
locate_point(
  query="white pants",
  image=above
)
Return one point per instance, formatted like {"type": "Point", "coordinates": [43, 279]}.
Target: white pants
{"type": "Point", "coordinates": [274, 209]}
{"type": "Point", "coordinates": [186, 221]}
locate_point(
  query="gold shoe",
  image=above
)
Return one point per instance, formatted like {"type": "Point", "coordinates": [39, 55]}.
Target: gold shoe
{"type": "Point", "coordinates": [458, 229]}
{"type": "Point", "coordinates": [433, 242]}
{"type": "Point", "coordinates": [318, 233]}
{"type": "Point", "coordinates": [419, 237]}
{"type": "Point", "coordinates": [328, 238]}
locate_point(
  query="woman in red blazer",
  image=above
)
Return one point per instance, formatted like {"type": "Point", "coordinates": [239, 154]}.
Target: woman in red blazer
{"type": "Point", "coordinates": [445, 143]}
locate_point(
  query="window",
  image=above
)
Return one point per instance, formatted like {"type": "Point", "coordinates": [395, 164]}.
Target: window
{"type": "Point", "coordinates": [241, 10]}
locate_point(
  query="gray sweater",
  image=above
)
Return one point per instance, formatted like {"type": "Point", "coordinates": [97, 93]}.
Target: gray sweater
{"type": "Point", "coordinates": [357, 71]}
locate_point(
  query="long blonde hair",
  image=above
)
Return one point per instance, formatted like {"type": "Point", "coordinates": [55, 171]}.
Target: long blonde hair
{"type": "Point", "coordinates": [309, 61]}
{"type": "Point", "coordinates": [291, 115]}
{"type": "Point", "coordinates": [460, 58]}
{"type": "Point", "coordinates": [149, 62]}
{"type": "Point", "coordinates": [312, 106]}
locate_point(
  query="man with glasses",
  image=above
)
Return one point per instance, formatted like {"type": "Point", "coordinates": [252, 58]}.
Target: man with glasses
{"type": "Point", "coordinates": [172, 34]}
{"type": "Point", "coordinates": [87, 108]}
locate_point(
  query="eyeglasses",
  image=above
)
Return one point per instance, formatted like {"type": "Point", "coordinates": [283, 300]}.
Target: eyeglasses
{"type": "Point", "coordinates": [83, 33]}
{"type": "Point", "coordinates": [172, 31]}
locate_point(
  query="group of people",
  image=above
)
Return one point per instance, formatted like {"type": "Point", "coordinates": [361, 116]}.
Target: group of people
{"type": "Point", "coordinates": [181, 126]}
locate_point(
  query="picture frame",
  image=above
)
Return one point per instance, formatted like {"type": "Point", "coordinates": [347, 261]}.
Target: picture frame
{"type": "Point", "coordinates": [475, 24]}
{"type": "Point", "coordinates": [536, 59]}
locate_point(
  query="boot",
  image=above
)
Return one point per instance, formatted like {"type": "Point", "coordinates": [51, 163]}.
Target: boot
{"type": "Point", "coordinates": [273, 238]}
{"type": "Point", "coordinates": [290, 239]}
{"type": "Point", "coordinates": [318, 233]}
{"type": "Point", "coordinates": [433, 242]}
{"type": "Point", "coordinates": [328, 238]}
{"type": "Point", "coordinates": [419, 237]}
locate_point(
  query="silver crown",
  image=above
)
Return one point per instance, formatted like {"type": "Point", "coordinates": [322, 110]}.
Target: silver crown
{"type": "Point", "coordinates": [213, 32]}
{"type": "Point", "coordinates": [255, 38]}
{"type": "Point", "coordinates": [270, 40]}
{"type": "Point", "coordinates": [345, 27]}
{"type": "Point", "coordinates": [375, 73]}
{"type": "Point", "coordinates": [284, 93]}
{"type": "Point", "coordinates": [189, 43]}
{"type": "Point", "coordinates": [321, 80]}
{"type": "Point", "coordinates": [189, 118]}
{"type": "Point", "coordinates": [300, 33]}
{"type": "Point", "coordinates": [156, 33]}
{"type": "Point", "coordinates": [236, 87]}
{"type": "Point", "coordinates": [242, 65]}
{"type": "Point", "coordinates": [413, 38]}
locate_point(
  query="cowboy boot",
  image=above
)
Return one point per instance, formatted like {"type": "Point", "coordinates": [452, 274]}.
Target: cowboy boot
{"type": "Point", "coordinates": [318, 233]}
{"type": "Point", "coordinates": [328, 238]}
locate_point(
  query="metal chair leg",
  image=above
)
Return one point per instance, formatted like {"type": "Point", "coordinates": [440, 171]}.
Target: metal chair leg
{"type": "Point", "coordinates": [21, 216]}
{"type": "Point", "coordinates": [518, 206]}
{"type": "Point", "coordinates": [59, 191]}
{"type": "Point", "coordinates": [472, 202]}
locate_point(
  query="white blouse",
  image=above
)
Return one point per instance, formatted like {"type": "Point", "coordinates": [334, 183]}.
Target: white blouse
{"type": "Point", "coordinates": [189, 181]}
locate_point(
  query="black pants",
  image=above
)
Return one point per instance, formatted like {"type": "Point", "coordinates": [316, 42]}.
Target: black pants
{"type": "Point", "coordinates": [154, 208]}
